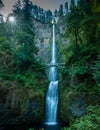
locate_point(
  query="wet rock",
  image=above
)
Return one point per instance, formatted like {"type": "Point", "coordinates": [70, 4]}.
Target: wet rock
{"type": "Point", "coordinates": [78, 106]}
{"type": "Point", "coordinates": [43, 39]}
{"type": "Point", "coordinates": [16, 106]}
{"type": "Point", "coordinates": [74, 104]}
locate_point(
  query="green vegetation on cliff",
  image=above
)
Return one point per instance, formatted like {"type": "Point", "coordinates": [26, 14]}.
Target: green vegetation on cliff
{"type": "Point", "coordinates": [23, 80]}
{"type": "Point", "coordinates": [90, 121]}
{"type": "Point", "coordinates": [83, 52]}
{"type": "Point", "coordinates": [18, 50]}
{"type": "Point", "coordinates": [81, 75]}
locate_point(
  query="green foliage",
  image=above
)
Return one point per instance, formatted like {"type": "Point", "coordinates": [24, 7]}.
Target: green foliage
{"type": "Point", "coordinates": [29, 79]}
{"type": "Point", "coordinates": [2, 27]}
{"type": "Point", "coordinates": [4, 45]}
{"type": "Point", "coordinates": [31, 129]}
{"type": "Point", "coordinates": [80, 70]}
{"type": "Point", "coordinates": [74, 22]}
{"type": "Point", "coordinates": [61, 10]}
{"type": "Point", "coordinates": [5, 49]}
{"type": "Point", "coordinates": [18, 63]}
{"type": "Point", "coordinates": [96, 6]}
{"type": "Point", "coordinates": [1, 4]}
{"type": "Point", "coordinates": [97, 72]}
{"type": "Point", "coordinates": [81, 54]}
{"type": "Point", "coordinates": [90, 121]}
{"type": "Point", "coordinates": [26, 50]}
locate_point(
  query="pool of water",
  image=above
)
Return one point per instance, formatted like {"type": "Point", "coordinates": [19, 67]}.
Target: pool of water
{"type": "Point", "coordinates": [52, 127]}
{"type": "Point", "coordinates": [37, 126]}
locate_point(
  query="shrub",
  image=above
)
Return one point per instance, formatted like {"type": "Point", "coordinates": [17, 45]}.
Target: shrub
{"type": "Point", "coordinates": [90, 121]}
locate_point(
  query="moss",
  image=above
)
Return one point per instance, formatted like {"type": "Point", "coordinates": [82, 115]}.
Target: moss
{"type": "Point", "coordinates": [64, 103]}
{"type": "Point", "coordinates": [74, 103]}
{"type": "Point", "coordinates": [90, 121]}
{"type": "Point", "coordinates": [21, 104]}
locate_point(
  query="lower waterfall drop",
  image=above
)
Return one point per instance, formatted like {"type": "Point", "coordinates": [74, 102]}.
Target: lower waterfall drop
{"type": "Point", "coordinates": [52, 103]}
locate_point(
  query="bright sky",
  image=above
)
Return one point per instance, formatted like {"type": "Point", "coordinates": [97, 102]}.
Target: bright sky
{"type": "Point", "coordinates": [46, 4]}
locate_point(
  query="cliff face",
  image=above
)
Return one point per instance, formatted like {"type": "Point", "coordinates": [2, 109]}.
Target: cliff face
{"type": "Point", "coordinates": [24, 105]}
{"type": "Point", "coordinates": [20, 105]}
{"type": "Point", "coordinates": [61, 39]}
{"type": "Point", "coordinates": [43, 39]}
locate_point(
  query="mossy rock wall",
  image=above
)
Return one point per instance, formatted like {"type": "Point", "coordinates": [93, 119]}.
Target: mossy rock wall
{"type": "Point", "coordinates": [20, 105]}
{"type": "Point", "coordinates": [74, 104]}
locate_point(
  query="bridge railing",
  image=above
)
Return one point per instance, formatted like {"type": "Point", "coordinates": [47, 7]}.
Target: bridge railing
{"type": "Point", "coordinates": [52, 65]}
{"type": "Point", "coordinates": [55, 65]}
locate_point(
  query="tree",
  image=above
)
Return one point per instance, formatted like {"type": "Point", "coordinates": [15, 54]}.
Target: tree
{"type": "Point", "coordinates": [74, 19]}
{"type": "Point", "coordinates": [5, 50]}
{"type": "Point", "coordinates": [55, 13]}
{"type": "Point", "coordinates": [48, 16]}
{"type": "Point", "coordinates": [27, 10]}
{"type": "Point", "coordinates": [61, 10]}
{"type": "Point", "coordinates": [72, 4]}
{"type": "Point", "coordinates": [26, 48]}
{"type": "Point", "coordinates": [1, 18]}
{"type": "Point", "coordinates": [41, 15]}
{"type": "Point", "coordinates": [35, 11]}
{"type": "Point", "coordinates": [97, 71]}
{"type": "Point", "coordinates": [66, 7]}
{"type": "Point", "coordinates": [91, 22]}
{"type": "Point", "coordinates": [1, 4]}
{"type": "Point", "coordinates": [17, 8]}
{"type": "Point", "coordinates": [96, 6]}
{"type": "Point", "coordinates": [85, 6]}
{"type": "Point", "coordinates": [83, 23]}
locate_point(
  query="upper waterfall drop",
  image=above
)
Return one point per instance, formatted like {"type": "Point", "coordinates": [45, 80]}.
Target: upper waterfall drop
{"type": "Point", "coordinates": [54, 58]}
{"type": "Point", "coordinates": [53, 73]}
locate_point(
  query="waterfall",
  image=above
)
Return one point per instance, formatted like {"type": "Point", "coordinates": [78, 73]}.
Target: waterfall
{"type": "Point", "coordinates": [52, 93]}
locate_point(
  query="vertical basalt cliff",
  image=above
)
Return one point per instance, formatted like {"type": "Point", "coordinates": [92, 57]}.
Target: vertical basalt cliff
{"type": "Point", "coordinates": [43, 39]}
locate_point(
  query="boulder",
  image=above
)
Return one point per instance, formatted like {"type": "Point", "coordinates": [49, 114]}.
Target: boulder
{"type": "Point", "coordinates": [74, 104]}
